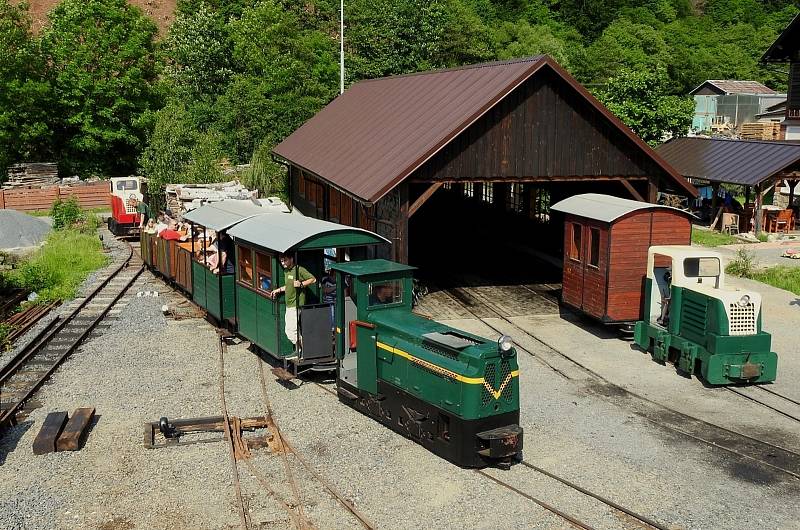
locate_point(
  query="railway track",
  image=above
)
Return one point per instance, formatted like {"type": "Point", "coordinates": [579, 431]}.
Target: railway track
{"type": "Point", "coordinates": [42, 355]}
{"type": "Point", "coordinates": [748, 448]}
{"type": "Point", "coordinates": [769, 399]}
{"type": "Point", "coordinates": [294, 506]}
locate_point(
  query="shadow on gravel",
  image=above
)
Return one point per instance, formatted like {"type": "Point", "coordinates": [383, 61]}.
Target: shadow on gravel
{"type": "Point", "coordinates": [11, 437]}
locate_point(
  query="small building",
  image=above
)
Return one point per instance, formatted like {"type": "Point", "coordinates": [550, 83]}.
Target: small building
{"type": "Point", "coordinates": [605, 252]}
{"type": "Point", "coordinates": [727, 103]}
{"type": "Point", "coordinates": [786, 49]}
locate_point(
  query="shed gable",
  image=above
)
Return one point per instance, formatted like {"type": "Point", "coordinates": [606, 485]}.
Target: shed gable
{"type": "Point", "coordinates": [532, 133]}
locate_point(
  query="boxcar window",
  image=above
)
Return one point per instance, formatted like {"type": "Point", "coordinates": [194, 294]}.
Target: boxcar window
{"type": "Point", "coordinates": [246, 266]}
{"type": "Point", "coordinates": [263, 271]}
{"type": "Point", "coordinates": [127, 185]}
{"type": "Point", "coordinates": [700, 267]}
{"type": "Point", "coordinates": [385, 293]}
{"type": "Point", "coordinates": [469, 189]}
{"type": "Point", "coordinates": [575, 242]}
{"type": "Point", "coordinates": [594, 247]}
{"type": "Point", "coordinates": [488, 192]}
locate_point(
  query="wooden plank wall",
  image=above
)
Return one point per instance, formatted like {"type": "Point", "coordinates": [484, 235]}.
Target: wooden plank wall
{"type": "Point", "coordinates": [93, 195]}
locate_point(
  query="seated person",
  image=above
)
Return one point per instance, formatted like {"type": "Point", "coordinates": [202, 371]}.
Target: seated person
{"type": "Point", "coordinates": [264, 282]}
{"type": "Point", "coordinates": [212, 259]}
{"type": "Point", "coordinates": [171, 233]}
{"type": "Point", "coordinates": [151, 226]}
{"type": "Point", "coordinates": [226, 253]}
{"type": "Point", "coordinates": [381, 294]}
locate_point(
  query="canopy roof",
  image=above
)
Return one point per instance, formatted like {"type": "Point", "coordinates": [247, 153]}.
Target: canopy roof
{"type": "Point", "coordinates": [605, 208]}
{"type": "Point", "coordinates": [284, 232]}
{"type": "Point", "coordinates": [746, 162]}
{"type": "Point", "coordinates": [372, 266]}
{"type": "Point", "coordinates": [224, 214]}
{"type": "Point", "coordinates": [735, 86]}
{"type": "Point", "coordinates": [375, 135]}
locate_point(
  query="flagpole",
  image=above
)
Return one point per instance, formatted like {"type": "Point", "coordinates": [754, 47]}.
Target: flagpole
{"type": "Point", "coordinates": [341, 47]}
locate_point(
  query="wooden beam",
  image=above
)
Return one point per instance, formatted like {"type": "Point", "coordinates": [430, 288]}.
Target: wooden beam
{"type": "Point", "coordinates": [77, 429]}
{"type": "Point", "coordinates": [571, 178]}
{"type": "Point", "coordinates": [52, 427]}
{"type": "Point", "coordinates": [423, 198]}
{"type": "Point", "coordinates": [632, 190]}
{"type": "Point", "coordinates": [652, 190]}
{"type": "Point", "coordinates": [757, 209]}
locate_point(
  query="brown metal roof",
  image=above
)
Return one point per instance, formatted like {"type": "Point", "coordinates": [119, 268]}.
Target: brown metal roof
{"type": "Point", "coordinates": [732, 86]}
{"type": "Point", "coordinates": [379, 131]}
{"type": "Point", "coordinates": [786, 44]}
{"type": "Point", "coordinates": [733, 161]}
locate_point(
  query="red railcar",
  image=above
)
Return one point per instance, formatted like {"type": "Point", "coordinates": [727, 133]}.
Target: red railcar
{"type": "Point", "coordinates": [605, 252]}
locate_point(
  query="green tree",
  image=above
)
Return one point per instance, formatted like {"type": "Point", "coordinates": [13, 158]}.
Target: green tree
{"type": "Point", "coordinates": [639, 99]}
{"type": "Point", "coordinates": [102, 64]}
{"type": "Point", "coordinates": [25, 94]}
{"type": "Point", "coordinates": [521, 39]}
{"type": "Point", "coordinates": [624, 44]}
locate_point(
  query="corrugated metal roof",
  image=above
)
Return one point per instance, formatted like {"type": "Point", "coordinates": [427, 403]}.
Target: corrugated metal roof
{"type": "Point", "coordinates": [605, 208]}
{"type": "Point", "coordinates": [379, 131]}
{"type": "Point", "coordinates": [787, 43]}
{"type": "Point", "coordinates": [224, 214]}
{"type": "Point", "coordinates": [281, 232]}
{"type": "Point", "coordinates": [733, 86]}
{"type": "Point", "coordinates": [746, 162]}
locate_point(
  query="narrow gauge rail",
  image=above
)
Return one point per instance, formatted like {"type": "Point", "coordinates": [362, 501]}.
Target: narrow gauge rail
{"type": "Point", "coordinates": [744, 446]}
{"type": "Point", "coordinates": [751, 393]}
{"type": "Point", "coordinates": [643, 520]}
{"type": "Point", "coordinates": [298, 518]}
{"type": "Point", "coordinates": [39, 358]}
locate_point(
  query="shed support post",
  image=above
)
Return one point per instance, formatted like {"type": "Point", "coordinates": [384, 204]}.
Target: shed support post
{"type": "Point", "coordinates": [714, 202]}
{"type": "Point", "coordinates": [652, 190]}
{"type": "Point", "coordinates": [401, 243]}
{"type": "Point", "coordinates": [792, 184]}
{"type": "Point", "coordinates": [746, 194]}
{"type": "Point", "coordinates": [757, 210]}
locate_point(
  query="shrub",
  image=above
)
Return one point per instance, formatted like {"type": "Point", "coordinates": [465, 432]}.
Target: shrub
{"type": "Point", "coordinates": [66, 214]}
{"type": "Point", "coordinates": [743, 265]}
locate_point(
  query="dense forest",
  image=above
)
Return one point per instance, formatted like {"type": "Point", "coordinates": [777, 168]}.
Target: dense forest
{"type": "Point", "coordinates": [101, 92]}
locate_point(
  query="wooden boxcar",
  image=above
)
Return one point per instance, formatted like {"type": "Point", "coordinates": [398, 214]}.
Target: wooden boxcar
{"type": "Point", "coordinates": [605, 252]}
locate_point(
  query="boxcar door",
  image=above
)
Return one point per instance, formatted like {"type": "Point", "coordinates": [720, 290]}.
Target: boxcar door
{"type": "Point", "coordinates": [574, 268]}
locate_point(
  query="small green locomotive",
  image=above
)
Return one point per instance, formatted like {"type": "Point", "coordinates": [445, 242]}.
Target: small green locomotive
{"type": "Point", "coordinates": [691, 319]}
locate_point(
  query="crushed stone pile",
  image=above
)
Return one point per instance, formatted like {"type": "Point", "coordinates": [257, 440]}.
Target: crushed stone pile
{"type": "Point", "coordinates": [19, 230]}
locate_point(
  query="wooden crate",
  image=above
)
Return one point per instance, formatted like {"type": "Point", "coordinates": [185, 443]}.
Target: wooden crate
{"type": "Point", "coordinates": [760, 131]}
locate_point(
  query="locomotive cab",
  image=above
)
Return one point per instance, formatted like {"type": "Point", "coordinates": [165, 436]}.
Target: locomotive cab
{"type": "Point", "coordinates": [455, 393]}
{"type": "Point", "coordinates": [693, 320]}
{"type": "Point", "coordinates": [126, 192]}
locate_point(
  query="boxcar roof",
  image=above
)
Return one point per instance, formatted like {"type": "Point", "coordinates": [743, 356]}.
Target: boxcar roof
{"type": "Point", "coordinates": [224, 214]}
{"type": "Point", "coordinates": [605, 208]}
{"type": "Point", "coordinates": [371, 266]}
{"type": "Point", "coordinates": [282, 232]}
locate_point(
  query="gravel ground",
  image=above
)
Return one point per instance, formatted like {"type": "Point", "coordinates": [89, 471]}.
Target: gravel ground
{"type": "Point", "coordinates": [144, 366]}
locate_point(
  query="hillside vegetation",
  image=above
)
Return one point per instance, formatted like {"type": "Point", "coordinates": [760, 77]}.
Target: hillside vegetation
{"type": "Point", "coordinates": [102, 91]}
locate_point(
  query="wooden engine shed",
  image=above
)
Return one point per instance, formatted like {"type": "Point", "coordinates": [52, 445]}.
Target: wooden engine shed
{"type": "Point", "coordinates": [605, 252]}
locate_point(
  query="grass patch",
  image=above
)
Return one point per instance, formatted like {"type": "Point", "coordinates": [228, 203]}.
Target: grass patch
{"type": "Point", "coordinates": [780, 276]}
{"type": "Point", "coordinates": [57, 269]}
{"type": "Point", "coordinates": [711, 238]}
{"type": "Point", "coordinates": [47, 213]}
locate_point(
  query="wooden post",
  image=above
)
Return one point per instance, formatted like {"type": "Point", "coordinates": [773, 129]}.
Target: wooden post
{"type": "Point", "coordinates": [746, 195]}
{"type": "Point", "coordinates": [757, 209]}
{"type": "Point", "coordinates": [652, 190]}
{"type": "Point", "coordinates": [401, 244]}
{"type": "Point", "coordinates": [792, 184]}
{"type": "Point", "coordinates": [2, 200]}
{"type": "Point", "coordinates": [714, 201]}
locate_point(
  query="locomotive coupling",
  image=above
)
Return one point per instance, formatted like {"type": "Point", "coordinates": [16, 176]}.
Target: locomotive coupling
{"type": "Point", "coordinates": [501, 443]}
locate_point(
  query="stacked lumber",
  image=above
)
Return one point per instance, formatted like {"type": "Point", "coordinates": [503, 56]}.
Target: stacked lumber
{"type": "Point", "coordinates": [32, 175]}
{"type": "Point", "coordinates": [761, 131]}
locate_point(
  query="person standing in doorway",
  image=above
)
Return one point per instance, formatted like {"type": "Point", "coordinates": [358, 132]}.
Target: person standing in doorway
{"type": "Point", "coordinates": [297, 279]}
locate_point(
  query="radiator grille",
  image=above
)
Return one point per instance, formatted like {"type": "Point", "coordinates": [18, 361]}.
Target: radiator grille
{"type": "Point", "coordinates": [742, 319]}
{"type": "Point", "coordinates": [505, 377]}
{"type": "Point", "coordinates": [693, 316]}
{"type": "Point", "coordinates": [491, 378]}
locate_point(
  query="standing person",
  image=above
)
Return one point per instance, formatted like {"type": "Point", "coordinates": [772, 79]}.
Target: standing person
{"type": "Point", "coordinates": [297, 277]}
{"type": "Point", "coordinates": [144, 212]}
{"type": "Point", "coordinates": [225, 245]}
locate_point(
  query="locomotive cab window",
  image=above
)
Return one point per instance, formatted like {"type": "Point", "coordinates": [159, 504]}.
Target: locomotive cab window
{"type": "Point", "coordinates": [594, 247]}
{"type": "Point", "coordinates": [127, 185]}
{"type": "Point", "coordinates": [575, 242]}
{"type": "Point", "coordinates": [246, 266]}
{"type": "Point", "coordinates": [385, 293]}
{"type": "Point", "coordinates": [702, 268]}
{"type": "Point", "coordinates": [263, 272]}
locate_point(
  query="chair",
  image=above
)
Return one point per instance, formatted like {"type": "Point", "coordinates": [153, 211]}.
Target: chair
{"type": "Point", "coordinates": [730, 223]}
{"type": "Point", "coordinates": [784, 221]}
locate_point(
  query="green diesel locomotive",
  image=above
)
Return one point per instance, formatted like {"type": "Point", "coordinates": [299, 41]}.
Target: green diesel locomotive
{"type": "Point", "coordinates": [692, 320]}
{"type": "Point", "coordinates": [455, 393]}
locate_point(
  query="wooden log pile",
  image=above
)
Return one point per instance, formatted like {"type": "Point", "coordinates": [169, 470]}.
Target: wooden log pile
{"type": "Point", "coordinates": [761, 131]}
{"type": "Point", "coordinates": [32, 175]}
